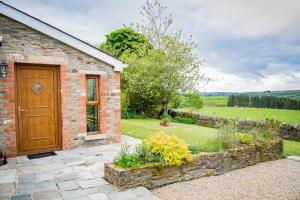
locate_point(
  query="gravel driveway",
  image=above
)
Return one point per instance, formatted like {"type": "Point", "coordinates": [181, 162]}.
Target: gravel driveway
{"type": "Point", "coordinates": [270, 180]}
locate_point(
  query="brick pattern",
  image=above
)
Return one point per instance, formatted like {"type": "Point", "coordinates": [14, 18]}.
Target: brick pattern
{"type": "Point", "coordinates": [23, 44]}
{"type": "Point", "coordinates": [8, 112]}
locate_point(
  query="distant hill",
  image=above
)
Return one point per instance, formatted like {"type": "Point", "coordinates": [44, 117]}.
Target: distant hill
{"type": "Point", "coordinates": [291, 94]}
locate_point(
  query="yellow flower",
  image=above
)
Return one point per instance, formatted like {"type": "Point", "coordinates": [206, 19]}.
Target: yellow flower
{"type": "Point", "coordinates": [174, 151]}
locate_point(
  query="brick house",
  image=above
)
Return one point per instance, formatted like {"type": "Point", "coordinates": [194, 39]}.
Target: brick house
{"type": "Point", "coordinates": [59, 93]}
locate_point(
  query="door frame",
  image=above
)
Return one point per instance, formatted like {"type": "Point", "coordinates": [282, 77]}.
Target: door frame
{"type": "Point", "coordinates": [58, 109]}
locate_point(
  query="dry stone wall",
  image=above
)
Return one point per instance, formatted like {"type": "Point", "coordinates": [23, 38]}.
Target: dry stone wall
{"type": "Point", "coordinates": [205, 164]}
{"type": "Point", "coordinates": [287, 131]}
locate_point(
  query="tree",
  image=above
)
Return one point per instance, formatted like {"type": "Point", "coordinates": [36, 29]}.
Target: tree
{"type": "Point", "coordinates": [194, 101]}
{"type": "Point", "coordinates": [179, 68]}
{"type": "Point", "coordinates": [126, 40]}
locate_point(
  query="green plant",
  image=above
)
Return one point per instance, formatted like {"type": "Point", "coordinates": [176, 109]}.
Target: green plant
{"type": "Point", "coordinates": [229, 136]}
{"type": "Point", "coordinates": [273, 127]}
{"type": "Point", "coordinates": [194, 101]}
{"type": "Point", "coordinates": [246, 138]}
{"type": "Point", "coordinates": [195, 149]}
{"type": "Point", "coordinates": [165, 118]}
{"type": "Point", "coordinates": [212, 145]}
{"type": "Point", "coordinates": [133, 115]}
{"type": "Point", "coordinates": [174, 151]}
{"type": "Point", "coordinates": [124, 105]}
{"type": "Point", "coordinates": [147, 156]}
{"type": "Point", "coordinates": [260, 136]}
{"type": "Point", "coordinates": [184, 120]}
{"type": "Point", "coordinates": [126, 159]}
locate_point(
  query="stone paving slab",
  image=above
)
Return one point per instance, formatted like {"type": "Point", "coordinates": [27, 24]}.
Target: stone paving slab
{"type": "Point", "coordinates": [295, 158]}
{"type": "Point", "coordinates": [72, 174]}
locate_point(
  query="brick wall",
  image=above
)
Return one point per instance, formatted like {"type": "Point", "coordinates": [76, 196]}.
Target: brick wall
{"type": "Point", "coordinates": [25, 45]}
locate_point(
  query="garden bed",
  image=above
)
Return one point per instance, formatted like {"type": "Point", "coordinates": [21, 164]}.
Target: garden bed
{"type": "Point", "coordinates": [204, 164]}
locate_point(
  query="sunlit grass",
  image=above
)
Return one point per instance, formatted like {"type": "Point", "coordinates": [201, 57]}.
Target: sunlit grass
{"type": "Point", "coordinates": [192, 134]}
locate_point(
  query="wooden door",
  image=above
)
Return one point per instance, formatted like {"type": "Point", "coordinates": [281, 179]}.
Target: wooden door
{"type": "Point", "coordinates": [37, 109]}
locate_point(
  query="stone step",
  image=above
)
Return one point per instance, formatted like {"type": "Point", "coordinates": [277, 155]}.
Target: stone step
{"type": "Point", "coordinates": [95, 137]}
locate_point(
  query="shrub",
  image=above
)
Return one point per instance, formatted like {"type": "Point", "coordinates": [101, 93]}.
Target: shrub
{"type": "Point", "coordinates": [212, 145]}
{"type": "Point", "coordinates": [194, 149]}
{"type": "Point", "coordinates": [261, 136]}
{"type": "Point", "coordinates": [194, 101]}
{"type": "Point", "coordinates": [229, 136]}
{"type": "Point", "coordinates": [174, 151]}
{"type": "Point", "coordinates": [126, 159]}
{"type": "Point", "coordinates": [147, 156]}
{"type": "Point", "coordinates": [124, 105]}
{"type": "Point", "coordinates": [272, 127]}
{"type": "Point", "coordinates": [184, 120]}
{"type": "Point", "coordinates": [246, 138]}
{"type": "Point", "coordinates": [165, 118]}
{"type": "Point", "coordinates": [133, 115]}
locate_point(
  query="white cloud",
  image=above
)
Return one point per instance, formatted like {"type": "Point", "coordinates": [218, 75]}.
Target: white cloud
{"type": "Point", "coordinates": [220, 81]}
{"type": "Point", "coordinates": [239, 18]}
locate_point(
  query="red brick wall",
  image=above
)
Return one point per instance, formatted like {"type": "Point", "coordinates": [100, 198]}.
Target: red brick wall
{"type": "Point", "coordinates": [117, 109]}
{"type": "Point", "coordinates": [7, 102]}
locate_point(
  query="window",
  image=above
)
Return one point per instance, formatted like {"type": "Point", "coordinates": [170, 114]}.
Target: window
{"type": "Point", "coordinates": [92, 104]}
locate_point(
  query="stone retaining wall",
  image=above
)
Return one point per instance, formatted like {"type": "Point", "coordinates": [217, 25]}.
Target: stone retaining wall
{"type": "Point", "coordinates": [205, 164]}
{"type": "Point", "coordinates": [287, 131]}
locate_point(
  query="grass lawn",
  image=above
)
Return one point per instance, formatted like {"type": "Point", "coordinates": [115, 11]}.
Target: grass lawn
{"type": "Point", "coordinates": [286, 116]}
{"type": "Point", "coordinates": [291, 147]}
{"type": "Point", "coordinates": [143, 128]}
{"type": "Point", "coordinates": [193, 134]}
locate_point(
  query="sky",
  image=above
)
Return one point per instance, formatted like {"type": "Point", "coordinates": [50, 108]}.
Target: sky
{"type": "Point", "coordinates": [246, 45]}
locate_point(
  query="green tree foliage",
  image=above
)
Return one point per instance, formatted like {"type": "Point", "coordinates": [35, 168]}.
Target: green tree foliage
{"type": "Point", "coordinates": [263, 102]}
{"type": "Point", "coordinates": [126, 40]}
{"type": "Point", "coordinates": [168, 70]}
{"type": "Point", "coordinates": [158, 71]}
{"type": "Point", "coordinates": [194, 101]}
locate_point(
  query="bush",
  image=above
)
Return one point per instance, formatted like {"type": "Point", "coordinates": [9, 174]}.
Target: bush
{"type": "Point", "coordinates": [194, 149]}
{"type": "Point", "coordinates": [194, 101]}
{"type": "Point", "coordinates": [246, 138]}
{"type": "Point", "coordinates": [184, 120]}
{"type": "Point", "coordinates": [133, 115]}
{"type": "Point", "coordinates": [272, 127]}
{"type": "Point", "coordinates": [124, 105]}
{"type": "Point", "coordinates": [126, 159]}
{"type": "Point", "coordinates": [174, 151]}
{"type": "Point", "coordinates": [212, 145]}
{"type": "Point", "coordinates": [175, 102]}
{"type": "Point", "coordinates": [229, 136]}
{"type": "Point", "coordinates": [165, 118]}
{"type": "Point", "coordinates": [147, 156]}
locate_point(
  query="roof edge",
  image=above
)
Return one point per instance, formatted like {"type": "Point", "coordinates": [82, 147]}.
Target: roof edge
{"type": "Point", "coordinates": [60, 35]}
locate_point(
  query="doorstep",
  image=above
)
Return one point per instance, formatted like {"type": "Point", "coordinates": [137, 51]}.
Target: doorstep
{"type": "Point", "coordinates": [95, 137]}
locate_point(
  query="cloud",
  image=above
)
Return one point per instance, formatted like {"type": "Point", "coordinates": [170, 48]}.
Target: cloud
{"type": "Point", "coordinates": [225, 82]}
{"type": "Point", "coordinates": [247, 45]}
{"type": "Point", "coordinates": [238, 18]}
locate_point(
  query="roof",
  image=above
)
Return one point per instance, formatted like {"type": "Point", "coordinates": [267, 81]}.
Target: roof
{"type": "Point", "coordinates": [60, 35]}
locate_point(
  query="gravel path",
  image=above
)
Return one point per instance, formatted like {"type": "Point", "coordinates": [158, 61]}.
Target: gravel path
{"type": "Point", "coordinates": [271, 180]}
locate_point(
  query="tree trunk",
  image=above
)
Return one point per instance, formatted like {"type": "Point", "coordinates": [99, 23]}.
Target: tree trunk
{"type": "Point", "coordinates": [165, 107]}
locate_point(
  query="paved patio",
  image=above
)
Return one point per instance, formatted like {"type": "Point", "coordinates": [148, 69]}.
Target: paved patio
{"type": "Point", "coordinates": [73, 174]}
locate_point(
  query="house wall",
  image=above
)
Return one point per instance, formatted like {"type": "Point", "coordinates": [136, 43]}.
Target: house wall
{"type": "Point", "coordinates": [22, 44]}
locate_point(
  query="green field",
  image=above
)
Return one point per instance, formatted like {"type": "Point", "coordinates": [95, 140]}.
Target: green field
{"type": "Point", "coordinates": [143, 128]}
{"type": "Point", "coordinates": [285, 116]}
{"type": "Point", "coordinates": [215, 101]}
{"type": "Point", "coordinates": [193, 134]}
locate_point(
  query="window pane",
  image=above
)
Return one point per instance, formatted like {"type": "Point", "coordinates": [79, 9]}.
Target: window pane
{"type": "Point", "coordinates": [92, 89]}
{"type": "Point", "coordinates": [92, 118]}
